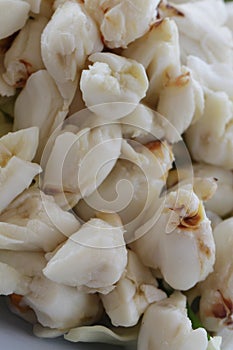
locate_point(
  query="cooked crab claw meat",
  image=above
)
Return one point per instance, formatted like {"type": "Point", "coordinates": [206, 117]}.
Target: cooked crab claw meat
{"type": "Point", "coordinates": [210, 140]}
{"type": "Point", "coordinates": [165, 326]}
{"type": "Point", "coordinates": [158, 51]}
{"type": "Point", "coordinates": [201, 29]}
{"type": "Point", "coordinates": [69, 37]}
{"type": "Point", "coordinates": [16, 171]}
{"type": "Point", "coordinates": [216, 303]}
{"type": "Point", "coordinates": [11, 280]}
{"type": "Point", "coordinates": [24, 56]}
{"type": "Point", "coordinates": [112, 78]}
{"type": "Point", "coordinates": [221, 202]}
{"type": "Point", "coordinates": [13, 16]}
{"type": "Point", "coordinates": [133, 185]}
{"type": "Point", "coordinates": [71, 264]}
{"type": "Point", "coordinates": [34, 222]}
{"type": "Point", "coordinates": [121, 22]}
{"type": "Point", "coordinates": [134, 292]}
{"type": "Point", "coordinates": [47, 300]}
{"type": "Point", "coordinates": [180, 243]}
{"type": "Point", "coordinates": [39, 104]}
{"type": "Point", "coordinates": [73, 155]}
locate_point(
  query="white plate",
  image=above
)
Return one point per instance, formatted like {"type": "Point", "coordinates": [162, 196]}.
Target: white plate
{"type": "Point", "coordinates": [16, 334]}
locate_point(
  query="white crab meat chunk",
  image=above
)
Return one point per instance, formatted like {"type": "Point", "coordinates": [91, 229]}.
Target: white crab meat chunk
{"type": "Point", "coordinates": [68, 39]}
{"type": "Point", "coordinates": [201, 29]}
{"type": "Point", "coordinates": [214, 218]}
{"type": "Point", "coordinates": [181, 100]}
{"type": "Point", "coordinates": [39, 104]}
{"type": "Point", "coordinates": [216, 76]}
{"type": "Point", "coordinates": [158, 51]}
{"type": "Point", "coordinates": [17, 269]}
{"type": "Point", "coordinates": [101, 334]}
{"type": "Point", "coordinates": [180, 242]}
{"type": "Point", "coordinates": [25, 262]}
{"type": "Point", "coordinates": [222, 201]}
{"type": "Point", "coordinates": [34, 222]}
{"type": "Point", "coordinates": [203, 186]}
{"type": "Point", "coordinates": [216, 303]}
{"type": "Point", "coordinates": [11, 280]}
{"type": "Point", "coordinates": [13, 16]}
{"type": "Point", "coordinates": [142, 125]}
{"type": "Point", "coordinates": [166, 326]}
{"type": "Point", "coordinates": [229, 22]}
{"type": "Point", "coordinates": [210, 139]}
{"type": "Point", "coordinates": [121, 22]}
{"type": "Point", "coordinates": [215, 343]}
{"type": "Point", "coordinates": [16, 170]}
{"type": "Point", "coordinates": [24, 56]}
{"type": "Point", "coordinates": [133, 186]}
{"type": "Point", "coordinates": [35, 5]}
{"type": "Point", "coordinates": [113, 85]}
{"type": "Point", "coordinates": [134, 292]}
{"type": "Point", "coordinates": [145, 125]}
{"type": "Point", "coordinates": [173, 91]}
{"type": "Point", "coordinates": [92, 259]}
{"type": "Point", "coordinates": [59, 306]}
{"type": "Point", "coordinates": [67, 172]}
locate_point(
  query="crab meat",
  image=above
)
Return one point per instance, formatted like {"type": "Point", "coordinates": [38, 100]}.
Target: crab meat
{"type": "Point", "coordinates": [121, 22]}
{"type": "Point", "coordinates": [34, 222]}
{"type": "Point", "coordinates": [67, 171]}
{"type": "Point", "coordinates": [134, 292]}
{"type": "Point", "coordinates": [113, 85]}
{"type": "Point", "coordinates": [24, 56]}
{"type": "Point", "coordinates": [16, 171]}
{"type": "Point", "coordinates": [40, 104]}
{"type": "Point", "coordinates": [69, 37]}
{"type": "Point", "coordinates": [13, 16]}
{"type": "Point", "coordinates": [104, 243]}
{"type": "Point", "coordinates": [170, 314]}
{"type": "Point", "coordinates": [180, 242]}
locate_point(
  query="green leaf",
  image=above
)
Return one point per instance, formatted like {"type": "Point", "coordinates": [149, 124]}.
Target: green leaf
{"type": "Point", "coordinates": [196, 323]}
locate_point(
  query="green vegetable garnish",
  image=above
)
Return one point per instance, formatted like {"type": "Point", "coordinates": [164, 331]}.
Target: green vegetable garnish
{"type": "Point", "coordinates": [196, 323]}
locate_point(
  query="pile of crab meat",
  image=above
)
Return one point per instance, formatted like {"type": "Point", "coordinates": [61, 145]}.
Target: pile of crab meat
{"type": "Point", "coordinates": [116, 160]}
